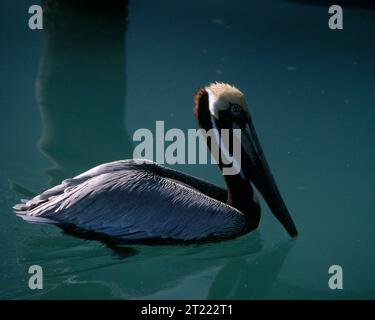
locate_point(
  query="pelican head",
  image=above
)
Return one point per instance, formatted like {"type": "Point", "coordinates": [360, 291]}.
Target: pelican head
{"type": "Point", "coordinates": [223, 106]}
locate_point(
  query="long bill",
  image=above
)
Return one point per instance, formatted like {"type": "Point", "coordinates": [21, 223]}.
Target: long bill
{"type": "Point", "coordinates": [255, 168]}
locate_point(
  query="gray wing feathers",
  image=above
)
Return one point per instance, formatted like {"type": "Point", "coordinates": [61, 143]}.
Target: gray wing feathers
{"type": "Point", "coordinates": [126, 200]}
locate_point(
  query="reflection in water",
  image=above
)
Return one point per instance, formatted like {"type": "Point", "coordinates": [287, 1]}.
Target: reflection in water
{"type": "Point", "coordinates": [81, 85]}
{"type": "Point", "coordinates": [250, 277]}
{"type": "Point", "coordinates": [237, 269]}
{"type": "Point", "coordinates": [73, 261]}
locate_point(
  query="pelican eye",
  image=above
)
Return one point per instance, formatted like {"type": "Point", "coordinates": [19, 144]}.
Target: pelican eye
{"type": "Point", "coordinates": [235, 109]}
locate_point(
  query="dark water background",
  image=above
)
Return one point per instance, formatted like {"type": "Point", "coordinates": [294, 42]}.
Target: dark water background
{"type": "Point", "coordinates": [72, 95]}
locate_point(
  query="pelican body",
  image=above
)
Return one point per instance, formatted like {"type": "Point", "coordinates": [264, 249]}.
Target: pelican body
{"type": "Point", "coordinates": [129, 201]}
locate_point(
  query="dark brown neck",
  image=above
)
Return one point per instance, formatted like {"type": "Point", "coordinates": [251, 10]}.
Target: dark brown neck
{"type": "Point", "coordinates": [240, 192]}
{"type": "Point", "coordinates": [241, 197]}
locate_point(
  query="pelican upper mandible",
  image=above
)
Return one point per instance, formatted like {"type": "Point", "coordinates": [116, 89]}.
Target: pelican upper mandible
{"type": "Point", "coordinates": [145, 202]}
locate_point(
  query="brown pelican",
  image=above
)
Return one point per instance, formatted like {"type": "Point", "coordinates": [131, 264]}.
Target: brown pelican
{"type": "Point", "coordinates": [145, 202]}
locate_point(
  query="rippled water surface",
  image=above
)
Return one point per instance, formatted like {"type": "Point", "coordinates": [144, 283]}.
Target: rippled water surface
{"type": "Point", "coordinates": [72, 95]}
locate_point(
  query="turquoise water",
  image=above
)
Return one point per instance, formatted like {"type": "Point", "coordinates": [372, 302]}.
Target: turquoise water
{"type": "Point", "coordinates": [72, 95]}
